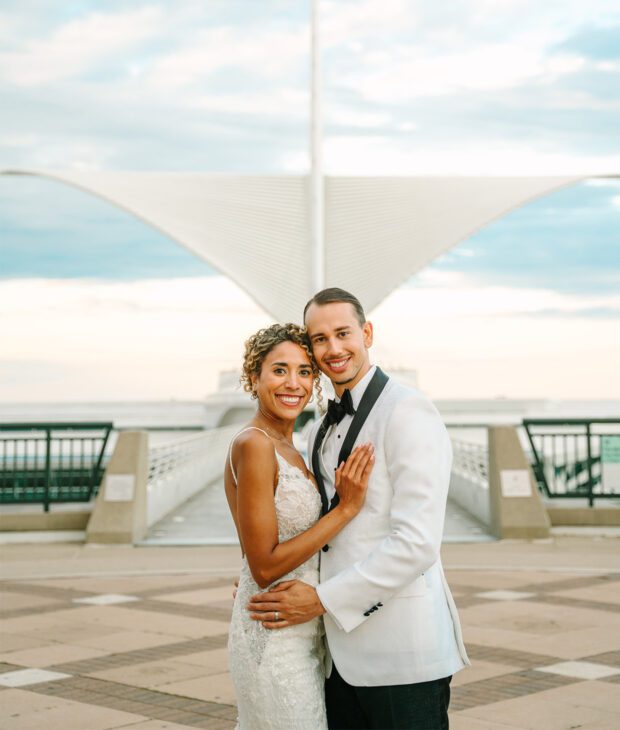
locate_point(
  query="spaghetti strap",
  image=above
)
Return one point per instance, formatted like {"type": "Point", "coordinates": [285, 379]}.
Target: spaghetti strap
{"type": "Point", "coordinates": [248, 428]}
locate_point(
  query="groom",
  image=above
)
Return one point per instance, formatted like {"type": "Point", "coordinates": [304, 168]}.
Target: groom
{"type": "Point", "coordinates": [392, 627]}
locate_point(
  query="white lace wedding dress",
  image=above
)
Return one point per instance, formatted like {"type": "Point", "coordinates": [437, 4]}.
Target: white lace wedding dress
{"type": "Point", "coordinates": [278, 674]}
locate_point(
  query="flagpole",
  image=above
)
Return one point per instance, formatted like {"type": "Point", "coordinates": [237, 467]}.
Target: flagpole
{"type": "Point", "coordinates": [317, 220]}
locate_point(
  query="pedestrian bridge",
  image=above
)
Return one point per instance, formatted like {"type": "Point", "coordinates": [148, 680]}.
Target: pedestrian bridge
{"type": "Point", "coordinates": [506, 481]}
{"type": "Point", "coordinates": [205, 520]}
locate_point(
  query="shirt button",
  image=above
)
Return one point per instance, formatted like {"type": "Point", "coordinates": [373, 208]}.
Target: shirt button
{"type": "Point", "coordinates": [338, 435]}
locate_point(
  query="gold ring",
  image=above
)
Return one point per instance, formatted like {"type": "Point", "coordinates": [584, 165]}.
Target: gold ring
{"type": "Point", "coordinates": [276, 616]}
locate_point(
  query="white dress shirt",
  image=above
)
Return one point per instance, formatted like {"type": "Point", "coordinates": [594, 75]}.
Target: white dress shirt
{"type": "Point", "coordinates": [335, 436]}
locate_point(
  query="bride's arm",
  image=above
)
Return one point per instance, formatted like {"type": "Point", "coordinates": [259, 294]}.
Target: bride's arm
{"type": "Point", "coordinates": [256, 467]}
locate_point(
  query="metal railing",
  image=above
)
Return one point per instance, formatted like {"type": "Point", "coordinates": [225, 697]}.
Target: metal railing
{"type": "Point", "coordinates": [576, 458]}
{"type": "Point", "coordinates": [471, 460]}
{"type": "Point", "coordinates": [179, 469]}
{"type": "Point", "coordinates": [51, 462]}
{"type": "Point", "coordinates": [469, 480]}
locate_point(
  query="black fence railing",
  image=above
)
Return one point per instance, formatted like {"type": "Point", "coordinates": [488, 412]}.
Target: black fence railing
{"type": "Point", "coordinates": [51, 462]}
{"type": "Point", "coordinates": [576, 457]}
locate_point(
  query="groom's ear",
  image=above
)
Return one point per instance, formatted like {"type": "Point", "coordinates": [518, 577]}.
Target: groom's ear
{"type": "Point", "coordinates": [368, 333]}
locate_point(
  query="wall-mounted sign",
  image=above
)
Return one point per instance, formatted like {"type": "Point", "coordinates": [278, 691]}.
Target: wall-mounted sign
{"type": "Point", "coordinates": [610, 449]}
{"type": "Point", "coordinates": [515, 483]}
{"type": "Point", "coordinates": [119, 487]}
{"type": "Point", "coordinates": [610, 463]}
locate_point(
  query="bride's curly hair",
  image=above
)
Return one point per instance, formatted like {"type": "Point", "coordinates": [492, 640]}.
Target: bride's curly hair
{"type": "Point", "coordinates": [262, 342]}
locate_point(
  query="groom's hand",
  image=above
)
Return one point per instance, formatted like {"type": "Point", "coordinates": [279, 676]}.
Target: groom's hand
{"type": "Point", "coordinates": [289, 603]}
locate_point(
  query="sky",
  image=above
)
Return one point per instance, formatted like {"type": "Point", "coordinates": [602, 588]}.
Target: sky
{"type": "Point", "coordinates": [94, 305]}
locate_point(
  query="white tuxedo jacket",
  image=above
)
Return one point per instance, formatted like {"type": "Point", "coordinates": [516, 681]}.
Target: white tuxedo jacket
{"type": "Point", "coordinates": [391, 618]}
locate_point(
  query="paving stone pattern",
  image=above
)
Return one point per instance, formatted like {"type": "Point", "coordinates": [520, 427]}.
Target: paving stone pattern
{"type": "Point", "coordinates": [162, 657]}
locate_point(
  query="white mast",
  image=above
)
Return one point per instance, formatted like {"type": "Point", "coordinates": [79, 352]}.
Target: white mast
{"type": "Point", "coordinates": [316, 158]}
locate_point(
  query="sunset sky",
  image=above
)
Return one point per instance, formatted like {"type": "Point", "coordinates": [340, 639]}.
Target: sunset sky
{"type": "Point", "coordinates": [94, 305]}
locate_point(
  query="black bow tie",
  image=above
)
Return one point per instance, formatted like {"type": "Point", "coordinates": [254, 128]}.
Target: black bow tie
{"type": "Point", "coordinates": [337, 411]}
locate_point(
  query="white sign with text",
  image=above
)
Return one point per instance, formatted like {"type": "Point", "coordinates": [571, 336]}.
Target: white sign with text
{"type": "Point", "coordinates": [119, 487]}
{"type": "Point", "coordinates": [515, 483]}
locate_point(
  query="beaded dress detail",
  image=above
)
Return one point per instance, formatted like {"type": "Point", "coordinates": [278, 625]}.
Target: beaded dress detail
{"type": "Point", "coordinates": [279, 674]}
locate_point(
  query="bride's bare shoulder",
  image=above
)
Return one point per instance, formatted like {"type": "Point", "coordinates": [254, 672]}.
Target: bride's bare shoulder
{"type": "Point", "coordinates": [253, 444]}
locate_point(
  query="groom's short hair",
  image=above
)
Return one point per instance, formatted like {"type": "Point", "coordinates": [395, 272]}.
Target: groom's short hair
{"type": "Point", "coordinates": [334, 294]}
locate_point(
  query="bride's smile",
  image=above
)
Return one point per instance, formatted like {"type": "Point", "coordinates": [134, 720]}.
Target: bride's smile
{"type": "Point", "coordinates": [284, 384]}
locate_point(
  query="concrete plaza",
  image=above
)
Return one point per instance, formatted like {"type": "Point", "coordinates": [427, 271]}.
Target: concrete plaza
{"type": "Point", "coordinates": [100, 637]}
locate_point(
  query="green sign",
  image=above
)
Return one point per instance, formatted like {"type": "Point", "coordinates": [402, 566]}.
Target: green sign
{"type": "Point", "coordinates": [610, 449]}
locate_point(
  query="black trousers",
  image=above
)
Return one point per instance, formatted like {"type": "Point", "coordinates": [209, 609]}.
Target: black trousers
{"type": "Point", "coordinates": [421, 706]}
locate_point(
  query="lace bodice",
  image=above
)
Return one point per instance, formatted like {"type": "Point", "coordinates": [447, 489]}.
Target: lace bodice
{"type": "Point", "coordinates": [278, 674]}
{"type": "Point", "coordinates": [298, 503]}
{"type": "Point", "coordinates": [298, 507]}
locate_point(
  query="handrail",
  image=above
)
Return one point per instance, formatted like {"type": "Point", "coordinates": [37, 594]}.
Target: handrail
{"type": "Point", "coordinates": [56, 426]}
{"type": "Point", "coordinates": [561, 475]}
{"type": "Point", "coordinates": [161, 428]}
{"type": "Point", "coordinates": [180, 468]}
{"type": "Point", "coordinates": [568, 421]}
{"type": "Point", "coordinates": [51, 461]}
{"type": "Point", "coordinates": [471, 460]}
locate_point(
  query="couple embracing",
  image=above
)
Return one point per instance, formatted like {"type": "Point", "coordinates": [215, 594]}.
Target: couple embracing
{"type": "Point", "coordinates": [343, 617]}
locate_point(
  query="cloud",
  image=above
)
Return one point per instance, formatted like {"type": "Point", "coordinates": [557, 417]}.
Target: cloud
{"type": "Point", "coordinates": [114, 341]}
{"type": "Point", "coordinates": [365, 19]}
{"type": "Point", "coordinates": [268, 53]}
{"type": "Point", "coordinates": [468, 342]}
{"type": "Point", "coordinates": [382, 154]}
{"type": "Point", "coordinates": [517, 87]}
{"type": "Point", "coordinates": [408, 72]}
{"type": "Point", "coordinates": [566, 242]}
{"type": "Point", "coordinates": [155, 339]}
{"type": "Point", "coordinates": [291, 102]}
{"type": "Point", "coordinates": [440, 293]}
{"type": "Point", "coordinates": [80, 45]}
{"type": "Point", "coordinates": [343, 117]}
{"type": "Point", "coordinates": [601, 182]}
{"type": "Point", "coordinates": [603, 312]}
{"type": "Point", "coordinates": [600, 43]}
{"type": "Point", "coordinates": [47, 374]}
{"type": "Point", "coordinates": [225, 86]}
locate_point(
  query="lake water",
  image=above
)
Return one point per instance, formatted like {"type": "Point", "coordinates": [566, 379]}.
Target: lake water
{"type": "Point", "coordinates": [159, 414]}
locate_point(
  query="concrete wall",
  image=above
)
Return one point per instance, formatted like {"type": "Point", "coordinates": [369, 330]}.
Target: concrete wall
{"type": "Point", "coordinates": [56, 519]}
{"type": "Point", "coordinates": [142, 486]}
{"type": "Point", "coordinates": [119, 515]}
{"type": "Point", "coordinates": [517, 510]}
{"type": "Point", "coordinates": [602, 514]}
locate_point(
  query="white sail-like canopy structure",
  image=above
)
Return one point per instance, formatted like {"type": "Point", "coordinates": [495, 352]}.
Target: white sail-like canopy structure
{"type": "Point", "coordinates": [255, 229]}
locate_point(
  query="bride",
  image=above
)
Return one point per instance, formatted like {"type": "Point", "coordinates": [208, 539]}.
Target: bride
{"type": "Point", "coordinates": [276, 506]}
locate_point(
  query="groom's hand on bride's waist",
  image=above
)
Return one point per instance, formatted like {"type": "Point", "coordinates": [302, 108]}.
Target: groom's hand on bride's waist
{"type": "Point", "coordinates": [286, 604]}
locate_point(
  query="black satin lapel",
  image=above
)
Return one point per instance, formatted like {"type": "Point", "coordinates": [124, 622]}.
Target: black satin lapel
{"type": "Point", "coordinates": [316, 466]}
{"type": "Point", "coordinates": [372, 392]}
